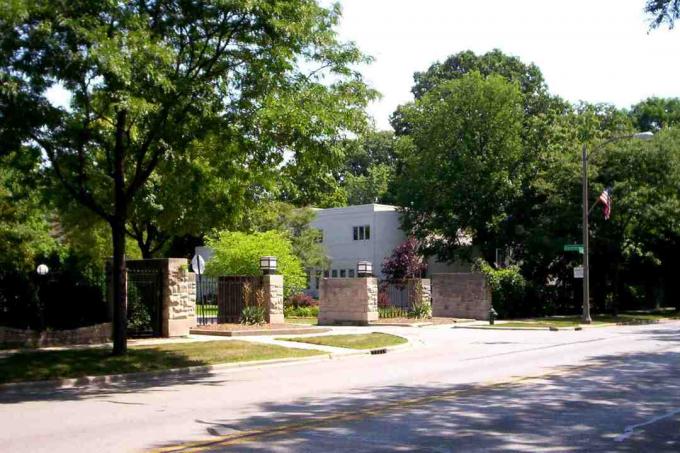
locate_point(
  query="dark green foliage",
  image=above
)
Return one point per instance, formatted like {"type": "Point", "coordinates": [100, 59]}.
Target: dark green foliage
{"type": "Point", "coordinates": [654, 113]}
{"type": "Point", "coordinates": [301, 312]}
{"type": "Point", "coordinates": [509, 290]}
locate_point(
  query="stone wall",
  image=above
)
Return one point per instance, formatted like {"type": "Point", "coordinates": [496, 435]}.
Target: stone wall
{"type": "Point", "coordinates": [273, 288]}
{"type": "Point", "coordinates": [19, 338]}
{"type": "Point", "coordinates": [348, 300]}
{"type": "Point", "coordinates": [461, 295]}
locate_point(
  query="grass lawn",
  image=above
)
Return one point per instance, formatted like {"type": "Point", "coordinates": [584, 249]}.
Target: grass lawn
{"type": "Point", "coordinates": [45, 365]}
{"type": "Point", "coordinates": [574, 321]}
{"type": "Point", "coordinates": [357, 341]}
{"type": "Point", "coordinates": [307, 321]}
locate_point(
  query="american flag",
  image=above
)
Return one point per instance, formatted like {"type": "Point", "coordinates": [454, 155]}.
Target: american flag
{"type": "Point", "coordinates": [606, 200]}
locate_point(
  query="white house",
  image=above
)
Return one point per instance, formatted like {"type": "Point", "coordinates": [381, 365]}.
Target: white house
{"type": "Point", "coordinates": [368, 232]}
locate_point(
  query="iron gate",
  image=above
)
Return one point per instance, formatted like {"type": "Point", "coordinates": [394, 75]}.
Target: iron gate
{"type": "Point", "coordinates": [144, 302]}
{"type": "Point", "coordinates": [398, 295]}
{"type": "Point", "coordinates": [231, 292]}
{"type": "Point", "coordinates": [206, 300]}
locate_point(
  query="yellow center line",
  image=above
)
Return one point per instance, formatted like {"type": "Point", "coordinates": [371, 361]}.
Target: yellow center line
{"type": "Point", "coordinates": [359, 414]}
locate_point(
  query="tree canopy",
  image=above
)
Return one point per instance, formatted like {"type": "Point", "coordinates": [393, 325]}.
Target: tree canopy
{"type": "Point", "coordinates": [239, 253]}
{"type": "Point", "coordinates": [150, 80]}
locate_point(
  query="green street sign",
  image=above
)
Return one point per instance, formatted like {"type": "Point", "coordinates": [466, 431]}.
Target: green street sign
{"type": "Point", "coordinates": [574, 248]}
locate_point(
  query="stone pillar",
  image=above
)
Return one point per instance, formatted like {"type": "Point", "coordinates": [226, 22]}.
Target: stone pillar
{"type": "Point", "coordinates": [425, 290]}
{"type": "Point", "coordinates": [348, 300]}
{"type": "Point", "coordinates": [179, 298]}
{"type": "Point", "coordinates": [461, 295]}
{"type": "Point", "coordinates": [273, 289]}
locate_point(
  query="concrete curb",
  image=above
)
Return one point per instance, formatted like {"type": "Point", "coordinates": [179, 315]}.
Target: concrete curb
{"type": "Point", "coordinates": [97, 382]}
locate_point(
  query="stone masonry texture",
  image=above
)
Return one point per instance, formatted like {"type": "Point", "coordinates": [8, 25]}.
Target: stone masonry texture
{"type": "Point", "coordinates": [273, 287]}
{"type": "Point", "coordinates": [461, 295]}
{"type": "Point", "coordinates": [18, 338]}
{"type": "Point", "coordinates": [348, 300]}
{"type": "Point", "coordinates": [179, 298]}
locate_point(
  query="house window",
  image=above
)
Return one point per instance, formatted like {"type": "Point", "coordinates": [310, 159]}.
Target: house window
{"type": "Point", "coordinates": [325, 274]}
{"type": "Point", "coordinates": [361, 233]}
{"type": "Point", "coordinates": [351, 273]}
{"type": "Point", "coordinates": [334, 273]}
{"type": "Point", "coordinates": [343, 273]}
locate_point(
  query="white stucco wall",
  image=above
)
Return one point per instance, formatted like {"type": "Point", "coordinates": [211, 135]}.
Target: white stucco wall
{"type": "Point", "coordinates": [344, 252]}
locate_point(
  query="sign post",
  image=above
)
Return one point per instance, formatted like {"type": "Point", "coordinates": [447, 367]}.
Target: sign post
{"type": "Point", "coordinates": [198, 266]}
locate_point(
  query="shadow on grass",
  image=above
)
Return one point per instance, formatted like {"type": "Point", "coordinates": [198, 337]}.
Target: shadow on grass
{"type": "Point", "coordinates": [583, 409]}
{"type": "Point", "coordinates": [78, 364]}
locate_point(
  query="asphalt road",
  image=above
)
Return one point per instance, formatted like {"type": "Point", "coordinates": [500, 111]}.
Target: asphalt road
{"type": "Point", "coordinates": [603, 389]}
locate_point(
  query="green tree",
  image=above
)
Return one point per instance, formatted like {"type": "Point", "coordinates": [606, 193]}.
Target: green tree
{"type": "Point", "coordinates": [463, 174]}
{"type": "Point", "coordinates": [148, 79]}
{"type": "Point", "coordinates": [295, 223]}
{"type": "Point", "coordinates": [25, 220]}
{"type": "Point", "coordinates": [239, 253]}
{"type": "Point", "coordinates": [370, 166]}
{"type": "Point", "coordinates": [655, 113]}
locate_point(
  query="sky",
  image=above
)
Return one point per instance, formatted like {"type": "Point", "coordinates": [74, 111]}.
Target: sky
{"type": "Point", "coordinates": [590, 50]}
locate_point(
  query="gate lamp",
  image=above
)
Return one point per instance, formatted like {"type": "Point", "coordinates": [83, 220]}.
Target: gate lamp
{"type": "Point", "coordinates": [364, 269]}
{"type": "Point", "coordinates": [42, 269]}
{"type": "Point", "coordinates": [268, 265]}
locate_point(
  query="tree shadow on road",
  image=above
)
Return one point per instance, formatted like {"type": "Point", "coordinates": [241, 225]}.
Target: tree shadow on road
{"type": "Point", "coordinates": [575, 408]}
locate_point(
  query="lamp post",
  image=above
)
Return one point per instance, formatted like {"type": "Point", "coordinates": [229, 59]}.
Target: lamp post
{"type": "Point", "coordinates": [42, 271]}
{"type": "Point", "coordinates": [586, 233]}
{"type": "Point", "coordinates": [268, 265]}
{"type": "Point", "coordinates": [364, 269]}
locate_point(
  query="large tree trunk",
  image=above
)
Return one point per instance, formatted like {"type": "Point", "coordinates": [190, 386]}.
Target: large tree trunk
{"type": "Point", "coordinates": [118, 232]}
{"type": "Point", "coordinates": [119, 288]}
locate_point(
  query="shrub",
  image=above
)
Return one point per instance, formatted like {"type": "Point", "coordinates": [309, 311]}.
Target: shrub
{"type": "Point", "coordinates": [239, 253]}
{"type": "Point", "coordinates": [508, 288]}
{"type": "Point", "coordinates": [420, 310]}
{"type": "Point", "coordinates": [405, 262]}
{"type": "Point", "coordinates": [301, 312]}
{"type": "Point", "coordinates": [252, 315]}
{"type": "Point", "coordinates": [301, 300]}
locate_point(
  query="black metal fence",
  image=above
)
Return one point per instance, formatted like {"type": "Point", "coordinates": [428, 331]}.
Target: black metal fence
{"type": "Point", "coordinates": [62, 299]}
{"type": "Point", "coordinates": [206, 300]}
{"type": "Point", "coordinates": [144, 302]}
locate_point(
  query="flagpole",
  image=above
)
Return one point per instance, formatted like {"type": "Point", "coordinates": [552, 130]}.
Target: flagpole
{"type": "Point", "coordinates": [586, 319]}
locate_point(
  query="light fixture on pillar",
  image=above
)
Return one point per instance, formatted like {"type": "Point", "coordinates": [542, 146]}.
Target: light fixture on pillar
{"type": "Point", "coordinates": [42, 269]}
{"type": "Point", "coordinates": [268, 265]}
{"type": "Point", "coordinates": [364, 269]}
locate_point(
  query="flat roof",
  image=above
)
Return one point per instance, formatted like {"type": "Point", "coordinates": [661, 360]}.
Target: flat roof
{"type": "Point", "coordinates": [371, 207]}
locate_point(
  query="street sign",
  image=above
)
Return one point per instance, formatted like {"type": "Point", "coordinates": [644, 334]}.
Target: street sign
{"type": "Point", "coordinates": [573, 248]}
{"type": "Point", "coordinates": [578, 272]}
{"type": "Point", "coordinates": [198, 264]}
